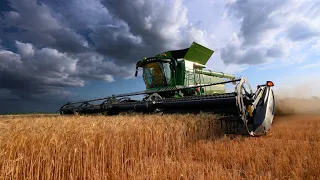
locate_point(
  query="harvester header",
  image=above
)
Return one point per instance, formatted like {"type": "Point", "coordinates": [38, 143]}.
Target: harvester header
{"type": "Point", "coordinates": [177, 81]}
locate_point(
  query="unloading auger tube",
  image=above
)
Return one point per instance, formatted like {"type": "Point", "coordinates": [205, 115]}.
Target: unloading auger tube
{"type": "Point", "coordinates": [252, 112]}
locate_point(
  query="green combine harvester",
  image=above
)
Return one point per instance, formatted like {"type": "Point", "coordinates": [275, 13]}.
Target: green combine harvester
{"type": "Point", "coordinates": [177, 82]}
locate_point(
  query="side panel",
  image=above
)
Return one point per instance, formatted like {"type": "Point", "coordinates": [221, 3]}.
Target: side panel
{"type": "Point", "coordinates": [204, 79]}
{"type": "Point", "coordinates": [192, 78]}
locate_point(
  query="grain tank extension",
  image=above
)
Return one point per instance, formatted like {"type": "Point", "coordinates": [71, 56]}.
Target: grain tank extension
{"type": "Point", "coordinates": [177, 81]}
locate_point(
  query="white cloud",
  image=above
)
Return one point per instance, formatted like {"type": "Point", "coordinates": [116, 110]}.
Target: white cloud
{"type": "Point", "coordinates": [25, 49]}
{"type": "Point", "coordinates": [195, 34]}
{"type": "Point", "coordinates": [316, 46]}
{"type": "Point", "coordinates": [47, 59]}
{"type": "Point", "coordinates": [272, 30]}
{"type": "Point", "coordinates": [9, 60]}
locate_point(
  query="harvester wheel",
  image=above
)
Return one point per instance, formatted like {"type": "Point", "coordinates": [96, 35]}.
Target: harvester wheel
{"type": "Point", "coordinates": [241, 91]}
{"type": "Point", "coordinates": [105, 107]}
{"type": "Point", "coordinates": [155, 98]}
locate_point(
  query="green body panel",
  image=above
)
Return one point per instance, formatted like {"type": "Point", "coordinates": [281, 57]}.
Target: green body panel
{"type": "Point", "coordinates": [195, 53]}
{"type": "Point", "coordinates": [194, 78]}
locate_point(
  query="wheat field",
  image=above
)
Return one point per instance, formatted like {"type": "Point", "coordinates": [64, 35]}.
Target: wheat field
{"type": "Point", "coordinates": [155, 147]}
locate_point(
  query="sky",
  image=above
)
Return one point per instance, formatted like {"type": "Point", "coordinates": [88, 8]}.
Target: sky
{"type": "Point", "coordinates": [52, 52]}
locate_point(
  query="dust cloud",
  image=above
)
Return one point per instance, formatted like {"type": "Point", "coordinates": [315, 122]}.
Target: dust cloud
{"type": "Point", "coordinates": [299, 99]}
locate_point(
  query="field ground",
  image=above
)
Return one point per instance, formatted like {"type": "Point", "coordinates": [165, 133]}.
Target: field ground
{"type": "Point", "coordinates": [155, 147]}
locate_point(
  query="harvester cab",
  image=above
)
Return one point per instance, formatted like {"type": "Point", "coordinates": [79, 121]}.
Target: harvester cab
{"type": "Point", "coordinates": [177, 82]}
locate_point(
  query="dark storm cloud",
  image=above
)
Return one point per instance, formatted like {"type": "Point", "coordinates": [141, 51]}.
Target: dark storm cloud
{"type": "Point", "coordinates": [145, 28]}
{"type": "Point", "coordinates": [118, 43]}
{"type": "Point", "coordinates": [152, 27]}
{"type": "Point", "coordinates": [262, 23]}
{"type": "Point", "coordinates": [40, 27]}
{"type": "Point", "coordinates": [30, 15]}
{"type": "Point", "coordinates": [93, 66]}
{"type": "Point", "coordinates": [81, 14]}
{"type": "Point", "coordinates": [253, 56]}
{"type": "Point", "coordinates": [232, 54]}
{"type": "Point", "coordinates": [255, 23]}
{"type": "Point", "coordinates": [274, 52]}
{"type": "Point", "coordinates": [6, 94]}
{"type": "Point", "coordinates": [256, 18]}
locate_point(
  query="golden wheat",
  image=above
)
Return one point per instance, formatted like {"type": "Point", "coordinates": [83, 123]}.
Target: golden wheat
{"type": "Point", "coordinates": [154, 147]}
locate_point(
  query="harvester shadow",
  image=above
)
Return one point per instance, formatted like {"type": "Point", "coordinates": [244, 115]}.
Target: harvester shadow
{"type": "Point", "coordinates": [209, 127]}
{"type": "Point", "coordinates": [210, 131]}
{"type": "Point", "coordinates": [200, 126]}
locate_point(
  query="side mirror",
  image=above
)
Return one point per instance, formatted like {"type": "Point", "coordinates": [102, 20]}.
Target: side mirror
{"type": "Point", "coordinates": [136, 72]}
